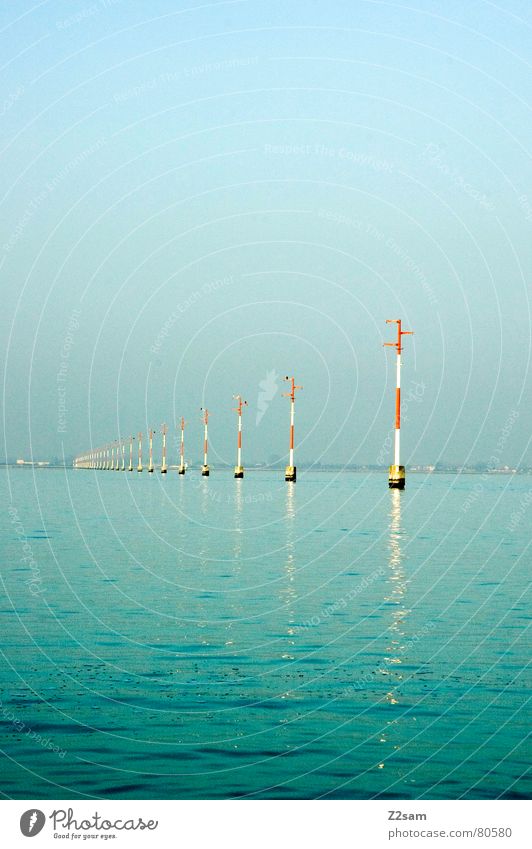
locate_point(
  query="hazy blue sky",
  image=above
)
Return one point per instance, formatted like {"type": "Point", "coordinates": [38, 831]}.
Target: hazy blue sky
{"type": "Point", "coordinates": [196, 195]}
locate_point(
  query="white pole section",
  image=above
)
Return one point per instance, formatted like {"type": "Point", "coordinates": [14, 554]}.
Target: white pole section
{"type": "Point", "coordinates": [398, 412]}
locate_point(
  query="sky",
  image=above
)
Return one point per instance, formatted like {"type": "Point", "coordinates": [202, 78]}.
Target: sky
{"type": "Point", "coordinates": [201, 198]}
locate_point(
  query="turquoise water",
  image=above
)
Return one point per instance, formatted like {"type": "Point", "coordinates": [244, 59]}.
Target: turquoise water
{"type": "Point", "coordinates": [173, 637]}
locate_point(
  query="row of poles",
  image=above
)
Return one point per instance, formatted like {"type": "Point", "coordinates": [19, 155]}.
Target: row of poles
{"type": "Point", "coordinates": [113, 455]}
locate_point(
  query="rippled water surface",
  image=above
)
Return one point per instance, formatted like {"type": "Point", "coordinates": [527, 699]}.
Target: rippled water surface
{"type": "Point", "coordinates": [174, 637]}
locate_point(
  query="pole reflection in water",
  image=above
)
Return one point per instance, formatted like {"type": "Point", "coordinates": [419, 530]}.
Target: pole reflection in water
{"type": "Point", "coordinates": [236, 602]}
{"type": "Point", "coordinates": [396, 635]}
{"type": "Point", "coordinates": [239, 530]}
{"type": "Point", "coordinates": [396, 596]}
{"type": "Point", "coordinates": [205, 499]}
{"type": "Point", "coordinates": [288, 594]}
{"type": "Point", "coordinates": [201, 485]}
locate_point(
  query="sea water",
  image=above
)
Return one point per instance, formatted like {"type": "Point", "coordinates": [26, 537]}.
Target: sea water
{"type": "Point", "coordinates": [187, 637]}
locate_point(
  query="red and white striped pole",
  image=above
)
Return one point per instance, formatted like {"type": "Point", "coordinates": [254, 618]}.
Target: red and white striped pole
{"type": "Point", "coordinates": [139, 464]}
{"type": "Point", "coordinates": [239, 468]}
{"type": "Point", "coordinates": [123, 447]}
{"type": "Point", "coordinates": [182, 468]}
{"type": "Point", "coordinates": [396, 476]}
{"type": "Point", "coordinates": [205, 471]}
{"type": "Point", "coordinates": [164, 467]}
{"type": "Point", "coordinates": [150, 464]}
{"type": "Point", "coordinates": [290, 473]}
{"type": "Point", "coordinates": [131, 438]}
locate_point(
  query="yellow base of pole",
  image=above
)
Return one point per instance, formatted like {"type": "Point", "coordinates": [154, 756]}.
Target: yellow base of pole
{"type": "Point", "coordinates": [150, 470]}
{"type": "Point", "coordinates": [164, 470]}
{"type": "Point", "coordinates": [239, 471]}
{"type": "Point", "coordinates": [139, 468]}
{"type": "Point", "coordinates": [290, 473]}
{"type": "Point", "coordinates": [181, 470]}
{"type": "Point", "coordinates": [396, 477]}
{"type": "Point", "coordinates": [205, 471]}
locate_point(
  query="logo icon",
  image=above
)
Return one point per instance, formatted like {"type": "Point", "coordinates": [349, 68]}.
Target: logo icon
{"type": "Point", "coordinates": [32, 822]}
{"type": "Point", "coordinates": [267, 390]}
